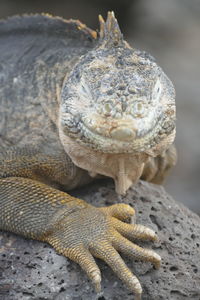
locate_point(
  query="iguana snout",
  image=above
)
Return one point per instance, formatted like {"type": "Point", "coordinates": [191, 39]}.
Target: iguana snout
{"type": "Point", "coordinates": [121, 129]}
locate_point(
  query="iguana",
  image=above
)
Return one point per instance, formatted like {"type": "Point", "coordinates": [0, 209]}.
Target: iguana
{"type": "Point", "coordinates": [76, 105]}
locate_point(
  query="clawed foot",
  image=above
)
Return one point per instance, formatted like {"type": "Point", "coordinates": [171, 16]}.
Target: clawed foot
{"type": "Point", "coordinates": [100, 232]}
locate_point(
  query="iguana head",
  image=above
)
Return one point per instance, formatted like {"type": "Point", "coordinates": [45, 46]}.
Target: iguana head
{"type": "Point", "coordinates": [117, 100]}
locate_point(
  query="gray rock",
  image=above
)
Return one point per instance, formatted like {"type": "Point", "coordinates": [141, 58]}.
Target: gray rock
{"type": "Point", "coordinates": [31, 270]}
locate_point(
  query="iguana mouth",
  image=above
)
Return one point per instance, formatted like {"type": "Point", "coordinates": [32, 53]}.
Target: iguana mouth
{"type": "Point", "coordinates": [106, 144]}
{"type": "Point", "coordinates": [124, 130]}
{"type": "Point", "coordinates": [117, 136]}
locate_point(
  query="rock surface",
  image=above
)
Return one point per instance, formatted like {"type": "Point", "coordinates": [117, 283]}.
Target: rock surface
{"type": "Point", "coordinates": [31, 270]}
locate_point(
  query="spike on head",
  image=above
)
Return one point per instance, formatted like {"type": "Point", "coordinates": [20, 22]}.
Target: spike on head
{"type": "Point", "coordinates": [110, 33]}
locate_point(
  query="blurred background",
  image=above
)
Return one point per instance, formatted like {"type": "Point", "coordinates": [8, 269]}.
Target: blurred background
{"type": "Point", "coordinates": [170, 31]}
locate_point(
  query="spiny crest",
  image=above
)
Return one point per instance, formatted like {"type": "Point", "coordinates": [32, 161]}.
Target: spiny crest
{"type": "Point", "coordinates": [110, 33]}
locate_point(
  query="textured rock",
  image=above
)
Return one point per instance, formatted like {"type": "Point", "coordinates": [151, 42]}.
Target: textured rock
{"type": "Point", "coordinates": [32, 270]}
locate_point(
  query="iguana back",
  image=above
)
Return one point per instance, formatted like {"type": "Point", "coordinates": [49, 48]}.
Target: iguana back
{"type": "Point", "coordinates": [36, 53]}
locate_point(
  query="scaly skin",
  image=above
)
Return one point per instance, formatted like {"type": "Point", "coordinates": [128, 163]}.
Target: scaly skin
{"type": "Point", "coordinates": [74, 228]}
{"type": "Point", "coordinates": [88, 108]}
{"type": "Point", "coordinates": [36, 211]}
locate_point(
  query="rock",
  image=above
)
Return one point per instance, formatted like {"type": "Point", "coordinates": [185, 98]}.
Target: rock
{"type": "Point", "coordinates": [31, 270]}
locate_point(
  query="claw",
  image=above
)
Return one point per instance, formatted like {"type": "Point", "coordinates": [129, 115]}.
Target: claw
{"type": "Point", "coordinates": [157, 261]}
{"type": "Point", "coordinates": [97, 282]}
{"type": "Point", "coordinates": [138, 296]}
{"type": "Point", "coordinates": [133, 219]}
{"type": "Point", "coordinates": [146, 232]}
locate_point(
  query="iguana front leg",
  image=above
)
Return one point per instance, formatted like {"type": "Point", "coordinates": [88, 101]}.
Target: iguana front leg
{"type": "Point", "coordinates": [74, 228]}
{"type": "Point", "coordinates": [44, 164]}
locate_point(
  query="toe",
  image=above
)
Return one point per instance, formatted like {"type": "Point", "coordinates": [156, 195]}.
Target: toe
{"type": "Point", "coordinates": [131, 250]}
{"type": "Point", "coordinates": [83, 257]}
{"type": "Point", "coordinates": [120, 211]}
{"type": "Point", "coordinates": [106, 252]}
{"type": "Point", "coordinates": [134, 231]}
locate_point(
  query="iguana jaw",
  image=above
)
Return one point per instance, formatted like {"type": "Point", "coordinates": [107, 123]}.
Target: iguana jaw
{"type": "Point", "coordinates": [128, 142]}
{"type": "Point", "coordinates": [125, 169]}
{"type": "Point", "coordinates": [116, 136]}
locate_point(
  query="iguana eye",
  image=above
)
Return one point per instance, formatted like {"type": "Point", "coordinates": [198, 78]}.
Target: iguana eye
{"type": "Point", "coordinates": [138, 109]}
{"type": "Point", "coordinates": [131, 90]}
{"type": "Point", "coordinates": [107, 108]}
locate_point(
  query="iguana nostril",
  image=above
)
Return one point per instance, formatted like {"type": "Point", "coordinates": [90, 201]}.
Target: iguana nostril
{"type": "Point", "coordinates": [123, 133]}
